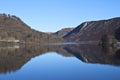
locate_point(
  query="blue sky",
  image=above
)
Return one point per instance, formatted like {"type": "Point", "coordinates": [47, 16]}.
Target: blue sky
{"type": "Point", "coordinates": [52, 15]}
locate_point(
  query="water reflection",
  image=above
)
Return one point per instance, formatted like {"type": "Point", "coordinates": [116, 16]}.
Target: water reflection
{"type": "Point", "coordinates": [13, 58]}
{"type": "Point", "coordinates": [95, 54]}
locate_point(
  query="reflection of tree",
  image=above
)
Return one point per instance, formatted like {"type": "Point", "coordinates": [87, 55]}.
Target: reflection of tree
{"type": "Point", "coordinates": [117, 54]}
{"type": "Point", "coordinates": [12, 59]}
{"type": "Point", "coordinates": [107, 40]}
{"type": "Point", "coordinates": [110, 50]}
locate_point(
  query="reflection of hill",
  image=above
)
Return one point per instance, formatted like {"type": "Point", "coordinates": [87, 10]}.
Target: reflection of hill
{"type": "Point", "coordinates": [94, 54]}
{"type": "Point", "coordinates": [13, 59]}
{"type": "Point", "coordinates": [65, 53]}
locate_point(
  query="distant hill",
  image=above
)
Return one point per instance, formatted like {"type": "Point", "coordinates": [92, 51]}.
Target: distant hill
{"type": "Point", "coordinates": [95, 30]}
{"type": "Point", "coordinates": [12, 27]}
{"type": "Point", "coordinates": [62, 32]}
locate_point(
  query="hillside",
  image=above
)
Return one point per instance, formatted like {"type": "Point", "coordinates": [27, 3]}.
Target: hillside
{"type": "Point", "coordinates": [62, 32]}
{"type": "Point", "coordinates": [95, 30]}
{"type": "Point", "coordinates": [12, 27]}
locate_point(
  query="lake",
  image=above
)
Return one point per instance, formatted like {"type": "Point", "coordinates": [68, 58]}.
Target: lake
{"type": "Point", "coordinates": [70, 61]}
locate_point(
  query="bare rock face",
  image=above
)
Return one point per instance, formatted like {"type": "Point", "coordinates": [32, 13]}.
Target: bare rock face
{"type": "Point", "coordinates": [95, 30]}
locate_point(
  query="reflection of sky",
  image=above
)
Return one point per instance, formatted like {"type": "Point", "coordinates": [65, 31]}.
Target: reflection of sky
{"type": "Point", "coordinates": [52, 66]}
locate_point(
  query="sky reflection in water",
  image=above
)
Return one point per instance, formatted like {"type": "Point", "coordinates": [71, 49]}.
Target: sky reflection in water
{"type": "Point", "coordinates": [56, 66]}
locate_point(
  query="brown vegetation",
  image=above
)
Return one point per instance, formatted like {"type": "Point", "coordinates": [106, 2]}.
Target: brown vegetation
{"type": "Point", "coordinates": [12, 27]}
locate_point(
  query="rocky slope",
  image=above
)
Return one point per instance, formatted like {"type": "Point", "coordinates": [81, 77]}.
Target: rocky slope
{"type": "Point", "coordinates": [12, 27]}
{"type": "Point", "coordinates": [95, 30]}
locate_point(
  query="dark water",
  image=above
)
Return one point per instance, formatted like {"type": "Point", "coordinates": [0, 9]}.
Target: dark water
{"type": "Point", "coordinates": [60, 62]}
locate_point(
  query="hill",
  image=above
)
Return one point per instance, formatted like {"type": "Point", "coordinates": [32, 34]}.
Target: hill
{"type": "Point", "coordinates": [96, 31]}
{"type": "Point", "coordinates": [13, 28]}
{"type": "Point", "coordinates": [62, 32]}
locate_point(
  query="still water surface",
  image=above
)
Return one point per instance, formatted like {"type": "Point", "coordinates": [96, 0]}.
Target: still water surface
{"type": "Point", "coordinates": [60, 62]}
